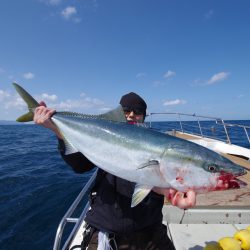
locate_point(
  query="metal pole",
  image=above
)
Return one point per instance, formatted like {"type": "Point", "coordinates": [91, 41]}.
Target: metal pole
{"type": "Point", "coordinates": [225, 128]}
{"type": "Point", "coordinates": [199, 126]}
{"type": "Point", "coordinates": [150, 122]}
{"type": "Point", "coordinates": [180, 123]}
{"type": "Point", "coordinates": [70, 211]}
{"type": "Point", "coordinates": [247, 134]}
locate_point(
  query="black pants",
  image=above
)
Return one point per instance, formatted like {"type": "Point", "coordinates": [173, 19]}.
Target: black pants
{"type": "Point", "coordinates": [155, 239]}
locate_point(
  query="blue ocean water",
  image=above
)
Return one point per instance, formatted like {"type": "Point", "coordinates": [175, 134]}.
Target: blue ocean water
{"type": "Point", "coordinates": [37, 187]}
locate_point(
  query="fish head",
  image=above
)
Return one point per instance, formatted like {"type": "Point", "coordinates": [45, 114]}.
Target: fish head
{"type": "Point", "coordinates": [225, 173]}
{"type": "Point", "coordinates": [202, 172]}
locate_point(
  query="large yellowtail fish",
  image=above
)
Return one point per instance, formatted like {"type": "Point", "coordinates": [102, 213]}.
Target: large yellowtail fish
{"type": "Point", "coordinates": [138, 154]}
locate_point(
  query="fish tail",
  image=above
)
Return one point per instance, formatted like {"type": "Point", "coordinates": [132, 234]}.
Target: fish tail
{"type": "Point", "coordinates": [30, 101]}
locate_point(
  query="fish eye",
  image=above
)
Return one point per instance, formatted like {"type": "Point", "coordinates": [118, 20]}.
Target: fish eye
{"type": "Point", "coordinates": [211, 168]}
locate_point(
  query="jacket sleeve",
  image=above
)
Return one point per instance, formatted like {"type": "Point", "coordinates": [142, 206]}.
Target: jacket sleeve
{"type": "Point", "coordinates": [77, 161]}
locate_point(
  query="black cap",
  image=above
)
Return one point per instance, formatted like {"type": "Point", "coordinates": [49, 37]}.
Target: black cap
{"type": "Point", "coordinates": [133, 100]}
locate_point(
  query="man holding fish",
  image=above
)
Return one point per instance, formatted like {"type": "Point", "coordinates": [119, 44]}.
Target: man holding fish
{"type": "Point", "coordinates": [128, 227]}
{"type": "Point", "coordinates": [137, 168]}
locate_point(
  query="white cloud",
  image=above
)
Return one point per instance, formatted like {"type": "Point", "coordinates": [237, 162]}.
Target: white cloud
{"type": "Point", "coordinates": [209, 14]}
{"type": "Point", "coordinates": [14, 104]}
{"type": "Point", "coordinates": [68, 12]}
{"type": "Point", "coordinates": [90, 100]}
{"type": "Point", "coordinates": [28, 75]}
{"type": "Point", "coordinates": [3, 95]}
{"type": "Point", "coordinates": [73, 105]}
{"type": "Point", "coordinates": [9, 101]}
{"type": "Point", "coordinates": [78, 105]}
{"type": "Point", "coordinates": [218, 77]}
{"type": "Point", "coordinates": [47, 97]}
{"type": "Point", "coordinates": [68, 104]}
{"type": "Point", "coordinates": [169, 74]}
{"type": "Point", "coordinates": [174, 102]}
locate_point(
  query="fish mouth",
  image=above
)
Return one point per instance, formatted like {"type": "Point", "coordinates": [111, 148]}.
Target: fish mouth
{"type": "Point", "coordinates": [229, 181]}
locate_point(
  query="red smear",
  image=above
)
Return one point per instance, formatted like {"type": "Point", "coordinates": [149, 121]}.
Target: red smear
{"type": "Point", "coordinates": [180, 179]}
{"type": "Point", "coordinates": [227, 181]}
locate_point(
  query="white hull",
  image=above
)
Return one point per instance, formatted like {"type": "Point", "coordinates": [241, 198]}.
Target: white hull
{"type": "Point", "coordinates": [220, 146]}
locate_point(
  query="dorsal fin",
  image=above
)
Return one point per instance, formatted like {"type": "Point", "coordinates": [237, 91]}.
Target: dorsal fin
{"type": "Point", "coordinates": [115, 115]}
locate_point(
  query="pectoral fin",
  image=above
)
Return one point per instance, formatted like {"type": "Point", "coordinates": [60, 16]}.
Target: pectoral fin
{"type": "Point", "coordinates": [140, 192]}
{"type": "Point", "coordinates": [151, 163]}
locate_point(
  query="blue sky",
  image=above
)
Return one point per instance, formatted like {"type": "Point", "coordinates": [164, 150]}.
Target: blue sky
{"type": "Point", "coordinates": [83, 55]}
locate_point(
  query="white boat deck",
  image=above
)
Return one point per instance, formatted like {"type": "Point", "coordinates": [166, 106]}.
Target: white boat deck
{"type": "Point", "coordinates": [196, 236]}
{"type": "Point", "coordinates": [193, 229]}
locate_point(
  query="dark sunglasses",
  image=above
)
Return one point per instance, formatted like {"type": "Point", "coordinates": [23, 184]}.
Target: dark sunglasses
{"type": "Point", "coordinates": [136, 111]}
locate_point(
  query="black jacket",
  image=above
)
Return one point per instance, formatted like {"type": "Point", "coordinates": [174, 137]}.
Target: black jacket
{"type": "Point", "coordinates": [111, 206]}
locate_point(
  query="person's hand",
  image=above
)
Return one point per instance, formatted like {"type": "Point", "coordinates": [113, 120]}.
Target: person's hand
{"type": "Point", "coordinates": [182, 200]}
{"type": "Point", "coordinates": [42, 116]}
{"type": "Point", "coordinates": [177, 198]}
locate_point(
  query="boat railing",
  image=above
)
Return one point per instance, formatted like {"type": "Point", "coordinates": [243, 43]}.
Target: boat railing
{"type": "Point", "coordinates": [204, 126]}
{"type": "Point", "coordinates": [67, 218]}
{"type": "Point", "coordinates": [244, 127]}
